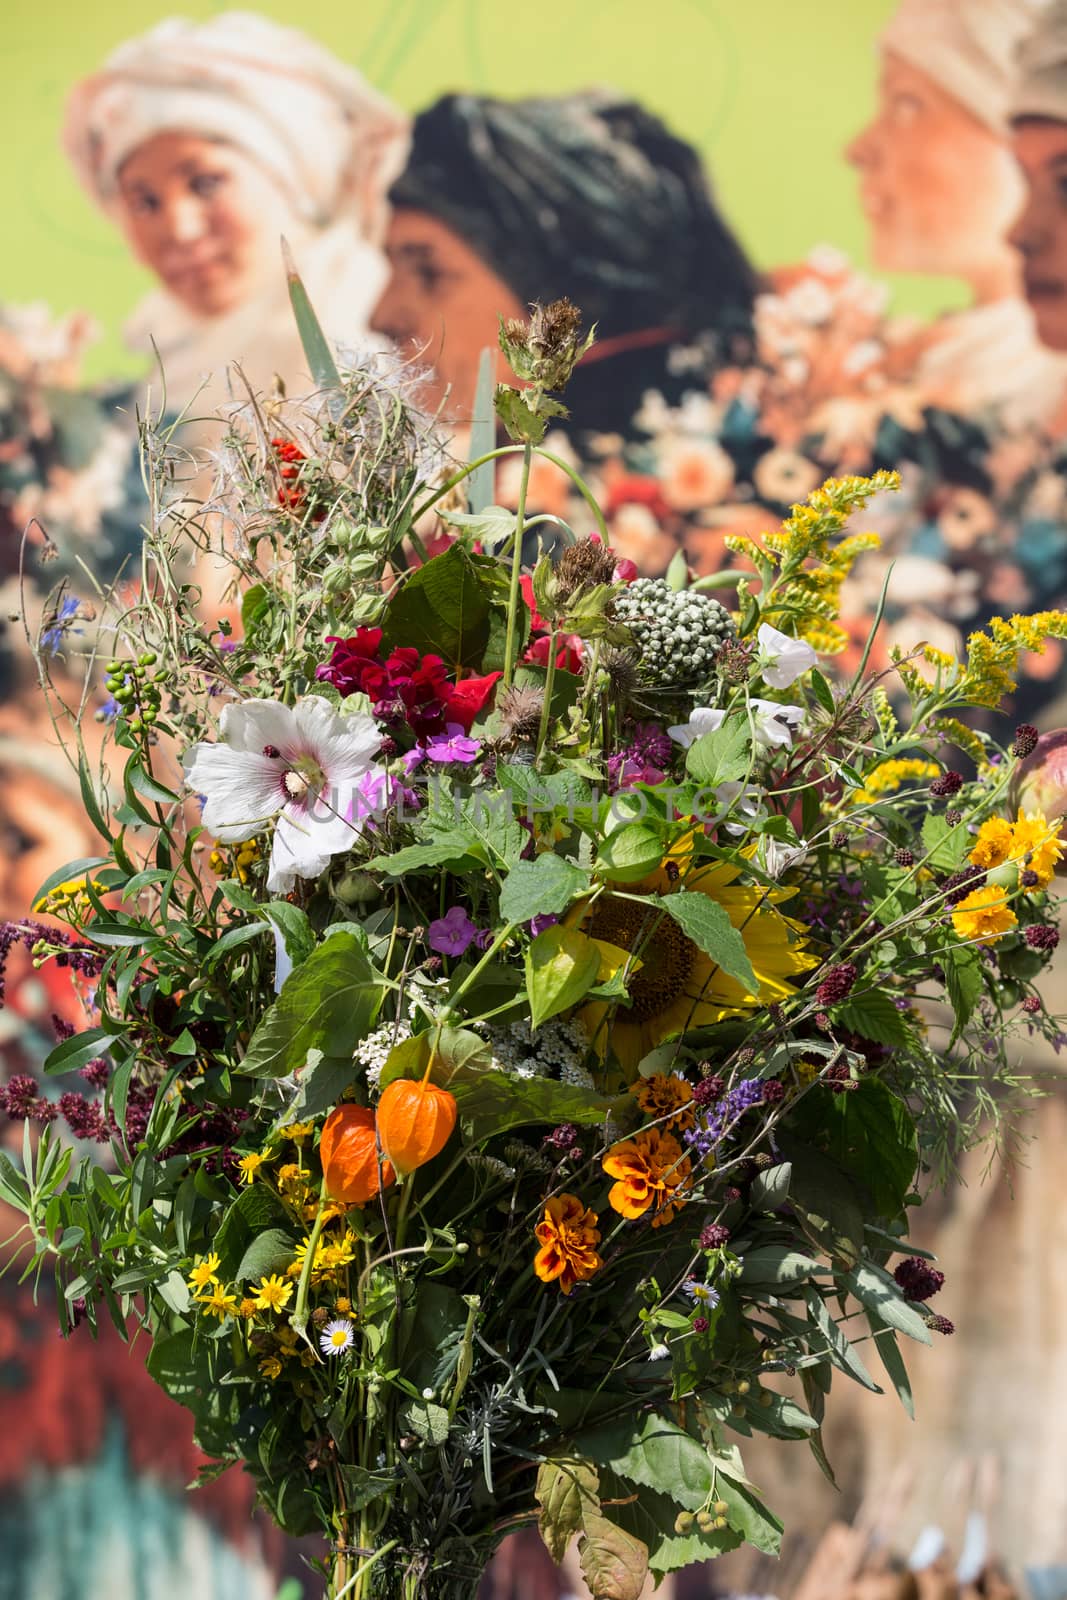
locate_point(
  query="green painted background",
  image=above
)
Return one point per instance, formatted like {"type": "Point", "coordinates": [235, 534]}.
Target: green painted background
{"type": "Point", "coordinates": [769, 90]}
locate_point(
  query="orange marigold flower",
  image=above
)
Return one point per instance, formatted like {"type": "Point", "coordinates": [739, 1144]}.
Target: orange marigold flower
{"type": "Point", "coordinates": [667, 1096]}
{"type": "Point", "coordinates": [652, 1171]}
{"type": "Point", "coordinates": [568, 1236]}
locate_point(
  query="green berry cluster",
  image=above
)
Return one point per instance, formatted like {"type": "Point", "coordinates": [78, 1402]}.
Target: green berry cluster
{"type": "Point", "coordinates": [678, 633]}
{"type": "Point", "coordinates": [137, 689]}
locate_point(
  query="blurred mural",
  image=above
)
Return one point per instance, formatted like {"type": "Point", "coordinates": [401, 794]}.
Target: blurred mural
{"type": "Point", "coordinates": [816, 240]}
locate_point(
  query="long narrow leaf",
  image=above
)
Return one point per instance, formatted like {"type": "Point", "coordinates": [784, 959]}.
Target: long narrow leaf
{"type": "Point", "coordinates": [483, 436]}
{"type": "Point", "coordinates": [316, 347]}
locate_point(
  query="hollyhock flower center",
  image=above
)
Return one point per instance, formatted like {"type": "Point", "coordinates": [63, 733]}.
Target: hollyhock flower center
{"type": "Point", "coordinates": [304, 777]}
{"type": "Point", "coordinates": [667, 955]}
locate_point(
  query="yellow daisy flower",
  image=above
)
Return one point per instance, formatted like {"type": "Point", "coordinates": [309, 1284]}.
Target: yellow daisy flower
{"type": "Point", "coordinates": [273, 1293]}
{"type": "Point", "coordinates": [221, 1302]}
{"type": "Point", "coordinates": [299, 1131]}
{"type": "Point", "coordinates": [271, 1367]}
{"type": "Point", "coordinates": [984, 915]}
{"type": "Point", "coordinates": [250, 1165]}
{"type": "Point", "coordinates": [1035, 844]}
{"type": "Point", "coordinates": [204, 1273]}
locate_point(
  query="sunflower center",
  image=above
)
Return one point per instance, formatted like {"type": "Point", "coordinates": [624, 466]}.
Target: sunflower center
{"type": "Point", "coordinates": [667, 955]}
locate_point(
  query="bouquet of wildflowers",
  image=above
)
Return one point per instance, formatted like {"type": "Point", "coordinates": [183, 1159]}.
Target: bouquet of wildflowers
{"type": "Point", "coordinates": [521, 998]}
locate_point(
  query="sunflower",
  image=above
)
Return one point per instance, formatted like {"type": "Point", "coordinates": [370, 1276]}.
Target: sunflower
{"type": "Point", "coordinates": [678, 987]}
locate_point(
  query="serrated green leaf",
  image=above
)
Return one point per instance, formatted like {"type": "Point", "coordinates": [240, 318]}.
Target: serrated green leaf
{"type": "Point", "coordinates": [748, 1516]}
{"type": "Point", "coordinates": [630, 853]}
{"type": "Point", "coordinates": [708, 925]}
{"type": "Point", "coordinates": [869, 1134]}
{"type": "Point", "coordinates": [427, 1420]}
{"type": "Point", "coordinates": [873, 1015]}
{"type": "Point", "coordinates": [964, 982]}
{"type": "Point", "coordinates": [655, 1452]}
{"type": "Point", "coordinates": [494, 1102]}
{"type": "Point", "coordinates": [490, 526]}
{"type": "Point", "coordinates": [327, 1004]}
{"type": "Point", "coordinates": [542, 887]}
{"type": "Point", "coordinates": [720, 757]}
{"type": "Point", "coordinates": [945, 846]}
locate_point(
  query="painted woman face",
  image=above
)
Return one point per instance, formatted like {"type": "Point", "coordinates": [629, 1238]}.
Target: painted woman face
{"type": "Point", "coordinates": [441, 304]}
{"type": "Point", "coordinates": [1040, 233]}
{"type": "Point", "coordinates": [205, 217]}
{"type": "Point", "coordinates": [938, 186]}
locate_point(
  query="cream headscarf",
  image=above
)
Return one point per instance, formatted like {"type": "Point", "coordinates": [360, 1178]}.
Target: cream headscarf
{"type": "Point", "coordinates": [331, 140]}
{"type": "Point", "coordinates": [1041, 90]}
{"type": "Point", "coordinates": [966, 46]}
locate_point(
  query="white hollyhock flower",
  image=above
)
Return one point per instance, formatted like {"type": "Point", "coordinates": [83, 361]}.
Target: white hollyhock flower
{"type": "Point", "coordinates": [307, 766]}
{"type": "Point", "coordinates": [786, 659]}
{"type": "Point", "coordinates": [773, 723]}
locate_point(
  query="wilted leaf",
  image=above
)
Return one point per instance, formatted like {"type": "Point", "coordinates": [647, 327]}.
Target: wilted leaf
{"type": "Point", "coordinates": [566, 1492]}
{"type": "Point", "coordinates": [614, 1564]}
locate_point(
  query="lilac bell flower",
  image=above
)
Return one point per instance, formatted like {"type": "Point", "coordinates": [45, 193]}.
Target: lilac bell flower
{"type": "Point", "coordinates": [452, 934]}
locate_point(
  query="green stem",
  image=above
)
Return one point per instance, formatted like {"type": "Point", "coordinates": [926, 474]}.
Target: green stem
{"type": "Point", "coordinates": [501, 939]}
{"type": "Point", "coordinates": [300, 1313]}
{"type": "Point", "coordinates": [362, 1570]}
{"type": "Point", "coordinates": [550, 681]}
{"type": "Point", "coordinates": [516, 567]}
{"type": "Point", "coordinates": [511, 450]}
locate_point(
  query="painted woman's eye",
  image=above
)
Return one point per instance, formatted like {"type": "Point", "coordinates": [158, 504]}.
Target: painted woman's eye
{"type": "Point", "coordinates": [143, 203]}
{"type": "Point", "coordinates": [905, 109]}
{"type": "Point", "coordinates": [206, 184]}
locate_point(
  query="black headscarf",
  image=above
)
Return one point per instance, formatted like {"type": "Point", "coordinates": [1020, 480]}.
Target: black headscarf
{"type": "Point", "coordinates": [588, 196]}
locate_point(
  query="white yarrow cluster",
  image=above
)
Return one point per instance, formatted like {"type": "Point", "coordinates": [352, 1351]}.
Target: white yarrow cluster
{"type": "Point", "coordinates": [372, 1052]}
{"type": "Point", "coordinates": [555, 1049]}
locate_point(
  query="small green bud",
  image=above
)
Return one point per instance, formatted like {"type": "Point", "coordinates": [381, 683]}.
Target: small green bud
{"type": "Point", "coordinates": [704, 1522]}
{"type": "Point", "coordinates": [720, 1522]}
{"type": "Point", "coordinates": [720, 1508]}
{"type": "Point", "coordinates": [683, 1522]}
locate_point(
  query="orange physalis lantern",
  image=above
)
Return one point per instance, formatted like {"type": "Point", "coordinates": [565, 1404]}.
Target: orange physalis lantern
{"type": "Point", "coordinates": [415, 1122]}
{"type": "Point", "coordinates": [349, 1155]}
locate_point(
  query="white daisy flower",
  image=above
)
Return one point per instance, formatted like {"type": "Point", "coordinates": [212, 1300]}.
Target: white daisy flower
{"type": "Point", "coordinates": [337, 1337]}
{"type": "Point", "coordinates": [305, 765]}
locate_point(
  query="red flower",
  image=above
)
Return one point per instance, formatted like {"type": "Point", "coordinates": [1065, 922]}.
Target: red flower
{"type": "Point", "coordinates": [353, 661]}
{"type": "Point", "coordinates": [568, 655]}
{"type": "Point", "coordinates": [537, 621]}
{"type": "Point", "coordinates": [464, 700]}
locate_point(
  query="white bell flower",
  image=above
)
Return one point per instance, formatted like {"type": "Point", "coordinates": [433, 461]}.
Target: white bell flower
{"type": "Point", "coordinates": [306, 766]}
{"type": "Point", "coordinates": [784, 659]}
{"type": "Point", "coordinates": [773, 723]}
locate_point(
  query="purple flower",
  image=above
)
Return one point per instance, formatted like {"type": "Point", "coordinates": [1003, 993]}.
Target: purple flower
{"type": "Point", "coordinates": [452, 934]}
{"type": "Point", "coordinates": [547, 919]}
{"type": "Point", "coordinates": [454, 745]}
{"type": "Point", "coordinates": [645, 760]}
{"type": "Point", "coordinates": [53, 636]}
{"type": "Point", "coordinates": [714, 1125]}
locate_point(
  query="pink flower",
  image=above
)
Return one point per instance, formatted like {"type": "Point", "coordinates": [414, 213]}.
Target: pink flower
{"type": "Point", "coordinates": [452, 934]}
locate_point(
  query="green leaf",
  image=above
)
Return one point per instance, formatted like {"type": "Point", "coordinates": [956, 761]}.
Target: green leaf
{"type": "Point", "coordinates": [327, 1004]}
{"type": "Point", "coordinates": [522, 423]}
{"type": "Point", "coordinates": [271, 1251]}
{"type": "Point", "coordinates": [843, 1353]}
{"type": "Point", "coordinates": [964, 982]}
{"type": "Point", "coordinates": [651, 1519]}
{"type": "Point", "coordinates": [482, 438]}
{"type": "Point", "coordinates": [825, 1200]}
{"type": "Point", "coordinates": [885, 1341]}
{"type": "Point", "coordinates": [869, 1134]}
{"type": "Point", "coordinates": [542, 887]}
{"type": "Point", "coordinates": [561, 966]}
{"type": "Point", "coordinates": [630, 853]}
{"type": "Point", "coordinates": [292, 923]}
{"type": "Point", "coordinates": [490, 526]}
{"type": "Point", "coordinates": [78, 1051]}
{"type": "Point", "coordinates": [566, 1490]}
{"type": "Point", "coordinates": [445, 608]}
{"type": "Point", "coordinates": [453, 850]}
{"type": "Point", "coordinates": [873, 1015]}
{"type": "Point", "coordinates": [655, 1452]}
{"type": "Point", "coordinates": [427, 1420]}
{"type": "Point", "coordinates": [877, 1291]}
{"type": "Point", "coordinates": [255, 1210]}
{"type": "Point", "coordinates": [769, 1190]}
{"type": "Point", "coordinates": [775, 1263]}
{"type": "Point", "coordinates": [90, 799]}
{"type": "Point", "coordinates": [748, 1516]}
{"type": "Point", "coordinates": [319, 356]}
{"type": "Point", "coordinates": [945, 845]}
{"type": "Point", "coordinates": [708, 925]}
{"type": "Point", "coordinates": [614, 1564]}
{"type": "Point", "coordinates": [459, 1055]}
{"type": "Point", "coordinates": [494, 1102]}
{"type": "Point", "coordinates": [255, 603]}
{"type": "Point", "coordinates": [822, 691]}
{"type": "Point", "coordinates": [362, 1488]}
{"type": "Point", "coordinates": [720, 757]}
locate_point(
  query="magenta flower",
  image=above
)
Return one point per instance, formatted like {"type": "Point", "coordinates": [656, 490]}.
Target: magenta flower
{"type": "Point", "coordinates": [454, 745]}
{"type": "Point", "coordinates": [452, 934]}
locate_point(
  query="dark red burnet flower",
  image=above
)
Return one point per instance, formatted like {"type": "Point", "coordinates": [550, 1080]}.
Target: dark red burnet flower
{"type": "Point", "coordinates": [837, 984]}
{"type": "Point", "coordinates": [1026, 738]}
{"type": "Point", "coordinates": [707, 1090]}
{"type": "Point", "coordinates": [713, 1236]}
{"type": "Point", "coordinates": [949, 783]}
{"type": "Point", "coordinates": [918, 1279]}
{"type": "Point", "coordinates": [943, 1325]}
{"type": "Point", "coordinates": [1042, 936]}
{"type": "Point", "coordinates": [418, 684]}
